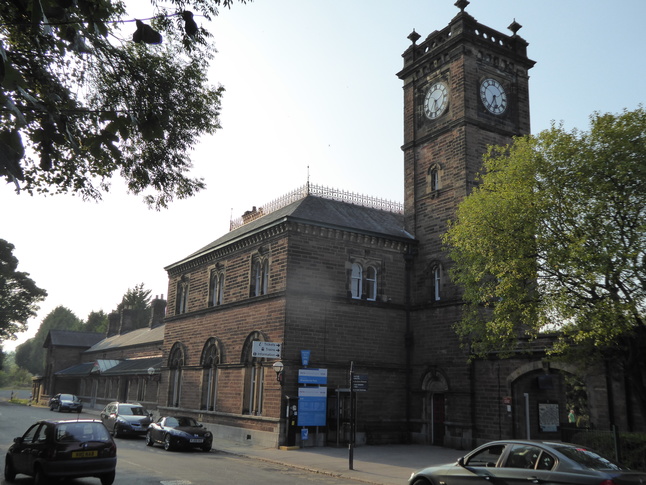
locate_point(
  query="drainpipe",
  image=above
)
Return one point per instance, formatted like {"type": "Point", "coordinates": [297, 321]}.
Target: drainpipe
{"type": "Point", "coordinates": [408, 337]}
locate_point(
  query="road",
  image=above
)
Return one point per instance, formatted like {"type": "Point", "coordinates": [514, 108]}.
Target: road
{"type": "Point", "coordinates": [141, 465]}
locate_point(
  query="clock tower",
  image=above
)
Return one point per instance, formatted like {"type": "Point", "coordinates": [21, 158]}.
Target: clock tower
{"type": "Point", "coordinates": [465, 88]}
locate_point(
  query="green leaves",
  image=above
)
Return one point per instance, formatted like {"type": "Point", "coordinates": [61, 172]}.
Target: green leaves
{"type": "Point", "coordinates": [554, 239]}
{"type": "Point", "coordinates": [82, 101]}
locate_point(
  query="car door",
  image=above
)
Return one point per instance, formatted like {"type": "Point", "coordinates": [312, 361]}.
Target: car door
{"type": "Point", "coordinates": [33, 445]}
{"type": "Point", "coordinates": [21, 447]}
{"type": "Point", "coordinates": [525, 463]}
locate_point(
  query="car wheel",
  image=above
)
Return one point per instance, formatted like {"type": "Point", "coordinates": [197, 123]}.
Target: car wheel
{"type": "Point", "coordinates": [107, 479]}
{"type": "Point", "coordinates": [206, 448]}
{"type": "Point", "coordinates": [51, 407]}
{"type": "Point", "coordinates": [39, 477]}
{"type": "Point", "coordinates": [79, 411]}
{"type": "Point", "coordinates": [115, 431]}
{"type": "Point", "coordinates": [421, 481]}
{"type": "Point", "coordinates": [9, 470]}
{"type": "Point", "coordinates": [168, 445]}
{"type": "Point", "coordinates": [58, 408]}
{"type": "Point", "coordinates": [149, 439]}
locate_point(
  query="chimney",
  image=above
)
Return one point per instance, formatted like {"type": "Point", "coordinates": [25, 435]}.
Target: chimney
{"type": "Point", "coordinates": [113, 325]}
{"type": "Point", "coordinates": [127, 320]}
{"type": "Point", "coordinates": [157, 311]}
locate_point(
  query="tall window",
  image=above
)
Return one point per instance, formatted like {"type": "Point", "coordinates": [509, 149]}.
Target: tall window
{"type": "Point", "coordinates": [434, 178]}
{"type": "Point", "coordinates": [371, 283]}
{"type": "Point", "coordinates": [357, 280]}
{"type": "Point", "coordinates": [437, 282]}
{"type": "Point", "coordinates": [216, 287]}
{"type": "Point", "coordinates": [259, 276]}
{"type": "Point", "coordinates": [254, 378]}
{"type": "Point", "coordinates": [181, 298]}
{"type": "Point", "coordinates": [363, 283]}
{"type": "Point", "coordinates": [210, 361]}
{"type": "Point", "coordinates": [175, 364]}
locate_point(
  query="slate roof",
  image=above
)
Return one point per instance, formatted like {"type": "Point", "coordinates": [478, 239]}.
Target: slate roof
{"type": "Point", "coordinates": [138, 337]}
{"type": "Point", "coordinates": [322, 212]}
{"type": "Point", "coordinates": [70, 338]}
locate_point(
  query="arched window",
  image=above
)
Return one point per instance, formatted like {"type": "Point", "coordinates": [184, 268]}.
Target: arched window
{"type": "Point", "coordinates": [434, 178]}
{"type": "Point", "coordinates": [216, 287]}
{"type": "Point", "coordinates": [363, 282]}
{"type": "Point", "coordinates": [210, 361]}
{"type": "Point", "coordinates": [260, 276]}
{"type": "Point", "coordinates": [371, 283]}
{"type": "Point", "coordinates": [437, 282]}
{"type": "Point", "coordinates": [254, 377]}
{"type": "Point", "coordinates": [181, 298]}
{"type": "Point", "coordinates": [356, 287]}
{"type": "Point", "coordinates": [175, 364]}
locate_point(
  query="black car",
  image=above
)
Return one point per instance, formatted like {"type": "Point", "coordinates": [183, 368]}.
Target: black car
{"type": "Point", "coordinates": [65, 402]}
{"type": "Point", "coordinates": [52, 449]}
{"type": "Point", "coordinates": [179, 432]}
{"type": "Point", "coordinates": [529, 461]}
{"type": "Point", "coordinates": [123, 418]}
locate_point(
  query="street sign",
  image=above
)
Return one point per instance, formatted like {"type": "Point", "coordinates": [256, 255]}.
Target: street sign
{"type": "Point", "coordinates": [360, 382]}
{"type": "Point", "coordinates": [312, 376]}
{"type": "Point", "coordinates": [269, 350]}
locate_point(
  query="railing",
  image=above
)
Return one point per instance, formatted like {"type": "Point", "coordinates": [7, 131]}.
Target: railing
{"type": "Point", "coordinates": [319, 191]}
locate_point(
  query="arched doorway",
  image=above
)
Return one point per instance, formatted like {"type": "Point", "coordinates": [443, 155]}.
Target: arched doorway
{"type": "Point", "coordinates": [435, 387]}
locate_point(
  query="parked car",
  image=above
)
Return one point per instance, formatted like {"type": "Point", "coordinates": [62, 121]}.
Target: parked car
{"type": "Point", "coordinates": [179, 432]}
{"type": "Point", "coordinates": [53, 449]}
{"type": "Point", "coordinates": [65, 402]}
{"type": "Point", "coordinates": [122, 418]}
{"type": "Point", "coordinates": [530, 461]}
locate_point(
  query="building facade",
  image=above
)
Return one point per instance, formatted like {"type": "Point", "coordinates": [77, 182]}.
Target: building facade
{"type": "Point", "coordinates": [325, 312]}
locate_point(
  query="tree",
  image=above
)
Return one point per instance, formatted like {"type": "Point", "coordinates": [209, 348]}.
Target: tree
{"type": "Point", "coordinates": [554, 239]}
{"type": "Point", "coordinates": [138, 300]}
{"type": "Point", "coordinates": [87, 93]}
{"type": "Point", "coordinates": [30, 355]}
{"type": "Point", "coordinates": [19, 294]}
{"type": "Point", "coordinates": [96, 322]}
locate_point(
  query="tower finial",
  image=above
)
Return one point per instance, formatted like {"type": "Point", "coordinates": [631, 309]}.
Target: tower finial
{"type": "Point", "coordinates": [515, 27]}
{"type": "Point", "coordinates": [413, 36]}
{"type": "Point", "coordinates": [462, 4]}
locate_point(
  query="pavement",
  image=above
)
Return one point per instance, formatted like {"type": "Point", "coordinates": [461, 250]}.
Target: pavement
{"type": "Point", "coordinates": [380, 464]}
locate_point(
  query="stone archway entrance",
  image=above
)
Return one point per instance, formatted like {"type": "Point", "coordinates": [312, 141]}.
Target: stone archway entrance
{"type": "Point", "coordinates": [435, 388]}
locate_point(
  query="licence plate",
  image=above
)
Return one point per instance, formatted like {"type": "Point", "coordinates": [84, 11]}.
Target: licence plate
{"type": "Point", "coordinates": [197, 441]}
{"type": "Point", "coordinates": [84, 454]}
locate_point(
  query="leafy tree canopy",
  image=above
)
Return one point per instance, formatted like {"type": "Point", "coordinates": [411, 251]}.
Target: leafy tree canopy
{"type": "Point", "coordinates": [554, 238]}
{"type": "Point", "coordinates": [96, 322]}
{"type": "Point", "coordinates": [87, 93]}
{"type": "Point", "coordinates": [137, 299]}
{"type": "Point", "coordinates": [19, 294]}
{"type": "Point", "coordinates": [31, 354]}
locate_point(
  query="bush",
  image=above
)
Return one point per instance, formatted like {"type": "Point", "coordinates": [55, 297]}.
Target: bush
{"type": "Point", "coordinates": [632, 446]}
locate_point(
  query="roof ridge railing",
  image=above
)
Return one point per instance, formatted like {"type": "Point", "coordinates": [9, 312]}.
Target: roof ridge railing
{"type": "Point", "coordinates": [318, 191]}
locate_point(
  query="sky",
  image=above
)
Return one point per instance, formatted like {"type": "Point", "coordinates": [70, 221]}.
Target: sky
{"type": "Point", "coordinates": [311, 92]}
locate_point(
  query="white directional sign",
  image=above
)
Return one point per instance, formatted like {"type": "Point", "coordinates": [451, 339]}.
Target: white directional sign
{"type": "Point", "coordinates": [270, 350]}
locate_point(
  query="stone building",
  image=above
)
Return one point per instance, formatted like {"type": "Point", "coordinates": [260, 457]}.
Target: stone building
{"type": "Point", "coordinates": [325, 310]}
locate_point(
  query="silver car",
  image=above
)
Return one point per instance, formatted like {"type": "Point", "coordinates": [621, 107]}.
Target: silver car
{"type": "Point", "coordinates": [532, 461]}
{"type": "Point", "coordinates": [123, 418]}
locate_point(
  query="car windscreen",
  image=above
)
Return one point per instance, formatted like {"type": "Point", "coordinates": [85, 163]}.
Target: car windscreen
{"type": "Point", "coordinates": [80, 431]}
{"type": "Point", "coordinates": [587, 458]}
{"type": "Point", "coordinates": [68, 397]}
{"type": "Point", "coordinates": [185, 421]}
{"type": "Point", "coordinates": [132, 411]}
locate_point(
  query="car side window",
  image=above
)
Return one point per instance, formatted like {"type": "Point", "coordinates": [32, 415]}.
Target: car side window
{"type": "Point", "coordinates": [522, 456]}
{"type": "Point", "coordinates": [545, 462]}
{"type": "Point", "coordinates": [30, 435]}
{"type": "Point", "coordinates": [487, 457]}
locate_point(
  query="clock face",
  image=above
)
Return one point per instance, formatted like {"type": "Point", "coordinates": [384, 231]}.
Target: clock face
{"type": "Point", "coordinates": [493, 96]}
{"type": "Point", "coordinates": [436, 100]}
